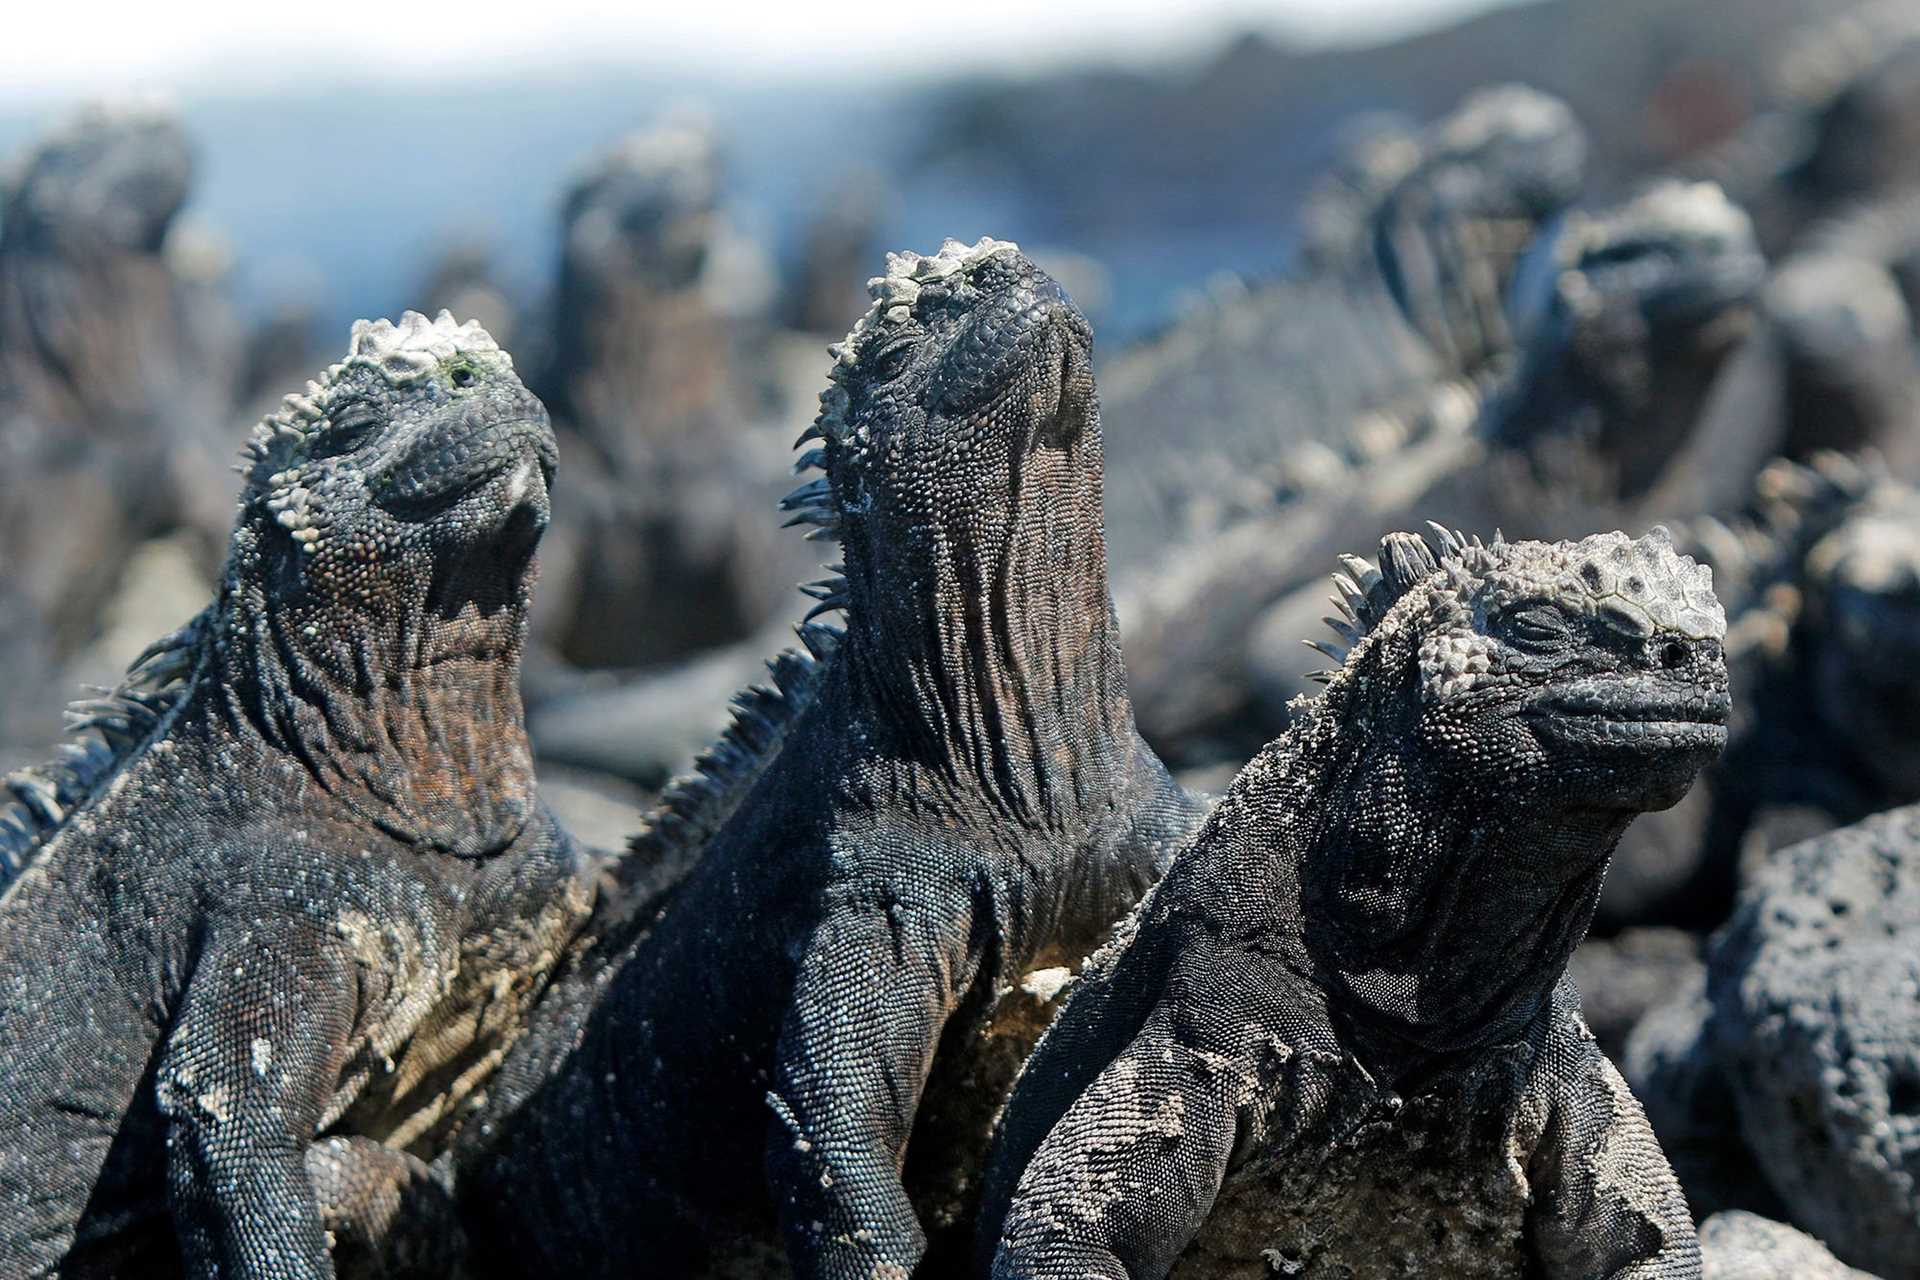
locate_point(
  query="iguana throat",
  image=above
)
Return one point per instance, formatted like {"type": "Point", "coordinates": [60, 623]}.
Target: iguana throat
{"type": "Point", "coordinates": [978, 614]}
{"type": "Point", "coordinates": [412, 715]}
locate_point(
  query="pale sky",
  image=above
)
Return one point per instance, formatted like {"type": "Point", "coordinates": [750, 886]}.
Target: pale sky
{"type": "Point", "coordinates": [192, 46]}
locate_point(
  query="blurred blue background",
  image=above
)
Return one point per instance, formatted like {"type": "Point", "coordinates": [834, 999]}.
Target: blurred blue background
{"type": "Point", "coordinates": [341, 149]}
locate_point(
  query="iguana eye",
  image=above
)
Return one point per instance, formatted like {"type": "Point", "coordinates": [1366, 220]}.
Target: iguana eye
{"type": "Point", "coordinates": [462, 375]}
{"type": "Point", "coordinates": [347, 426]}
{"type": "Point", "coordinates": [892, 362]}
{"type": "Point", "coordinates": [1539, 627]}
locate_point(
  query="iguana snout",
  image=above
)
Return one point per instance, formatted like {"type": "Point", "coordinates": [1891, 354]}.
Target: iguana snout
{"type": "Point", "coordinates": [466, 447]}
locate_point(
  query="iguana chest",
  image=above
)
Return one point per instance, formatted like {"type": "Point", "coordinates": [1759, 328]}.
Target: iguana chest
{"type": "Point", "coordinates": [1437, 1187]}
{"type": "Point", "coordinates": [439, 1047]}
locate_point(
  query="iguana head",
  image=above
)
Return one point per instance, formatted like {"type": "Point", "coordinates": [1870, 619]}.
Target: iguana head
{"type": "Point", "coordinates": [1500, 713]}
{"type": "Point", "coordinates": [961, 445]}
{"type": "Point", "coordinates": [381, 570]}
{"type": "Point", "coordinates": [1667, 267]}
{"type": "Point", "coordinates": [1451, 232]}
{"type": "Point", "coordinates": [96, 334]}
{"type": "Point", "coordinates": [971, 370]}
{"type": "Point", "coordinates": [1635, 310]}
{"type": "Point", "coordinates": [1587, 674]}
{"type": "Point", "coordinates": [1854, 604]}
{"type": "Point", "coordinates": [645, 211]}
{"type": "Point", "coordinates": [420, 445]}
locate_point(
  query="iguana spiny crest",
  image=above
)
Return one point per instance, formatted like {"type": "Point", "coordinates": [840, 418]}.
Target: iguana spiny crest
{"type": "Point", "coordinates": [1633, 587]}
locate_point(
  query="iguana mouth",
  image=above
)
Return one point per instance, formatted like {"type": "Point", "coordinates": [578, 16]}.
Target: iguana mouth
{"type": "Point", "coordinates": [1619, 712]}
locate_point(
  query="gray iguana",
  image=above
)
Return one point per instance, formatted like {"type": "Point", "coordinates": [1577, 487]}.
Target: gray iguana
{"type": "Point", "coordinates": [1337, 1038]}
{"type": "Point", "coordinates": [1839, 125]}
{"type": "Point", "coordinates": [118, 372]}
{"type": "Point", "coordinates": [294, 879]}
{"type": "Point", "coordinates": [1209, 417]}
{"type": "Point", "coordinates": [1631, 312]}
{"type": "Point", "coordinates": [657, 379]}
{"type": "Point", "coordinates": [962, 799]}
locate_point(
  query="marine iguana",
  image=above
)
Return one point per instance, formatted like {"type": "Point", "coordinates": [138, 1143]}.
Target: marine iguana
{"type": "Point", "coordinates": [1646, 300]}
{"type": "Point", "coordinates": [1337, 1038]}
{"type": "Point", "coordinates": [1337, 364]}
{"type": "Point", "coordinates": [1840, 127]}
{"type": "Point", "coordinates": [296, 881]}
{"type": "Point", "coordinates": [117, 373]}
{"type": "Point", "coordinates": [1629, 314]}
{"type": "Point", "coordinates": [964, 798]}
{"type": "Point", "coordinates": [659, 380]}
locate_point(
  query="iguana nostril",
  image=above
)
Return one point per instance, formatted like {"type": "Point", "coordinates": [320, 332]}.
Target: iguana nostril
{"type": "Point", "coordinates": [1673, 654]}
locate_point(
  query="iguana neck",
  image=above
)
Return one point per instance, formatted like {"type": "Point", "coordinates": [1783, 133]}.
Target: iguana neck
{"type": "Point", "coordinates": [1439, 919]}
{"type": "Point", "coordinates": [405, 705]}
{"type": "Point", "coordinates": [998, 657]}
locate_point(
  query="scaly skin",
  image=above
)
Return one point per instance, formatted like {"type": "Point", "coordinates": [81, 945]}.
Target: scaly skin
{"type": "Point", "coordinates": [301, 884]}
{"type": "Point", "coordinates": [964, 797]}
{"type": "Point", "coordinates": [1337, 1039]}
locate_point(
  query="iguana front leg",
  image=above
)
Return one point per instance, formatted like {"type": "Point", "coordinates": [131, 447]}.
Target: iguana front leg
{"type": "Point", "coordinates": [1606, 1202]}
{"type": "Point", "coordinates": [1129, 1173]}
{"type": "Point", "coordinates": [873, 992]}
{"type": "Point", "coordinates": [387, 1214]}
{"type": "Point", "coordinates": [250, 1062]}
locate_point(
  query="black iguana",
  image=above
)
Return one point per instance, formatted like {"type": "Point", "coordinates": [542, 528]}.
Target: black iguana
{"type": "Point", "coordinates": [657, 380]}
{"type": "Point", "coordinates": [1838, 125]}
{"type": "Point", "coordinates": [1337, 1039]}
{"type": "Point", "coordinates": [295, 880]}
{"type": "Point", "coordinates": [962, 799]}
